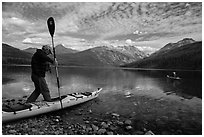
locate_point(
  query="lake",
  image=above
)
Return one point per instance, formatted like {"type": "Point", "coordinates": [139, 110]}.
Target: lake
{"type": "Point", "coordinates": [146, 94]}
{"type": "Point", "coordinates": [17, 83]}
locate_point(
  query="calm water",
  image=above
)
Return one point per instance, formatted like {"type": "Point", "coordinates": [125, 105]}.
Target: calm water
{"type": "Point", "coordinates": [16, 82]}
{"type": "Point", "coordinates": [116, 84]}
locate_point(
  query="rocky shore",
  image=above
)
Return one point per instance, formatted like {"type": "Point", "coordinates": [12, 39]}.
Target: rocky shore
{"type": "Point", "coordinates": [149, 116]}
{"type": "Point", "coordinates": [80, 124]}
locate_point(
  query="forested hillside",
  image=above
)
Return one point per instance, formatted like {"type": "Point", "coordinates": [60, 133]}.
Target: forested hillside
{"type": "Point", "coordinates": [183, 57]}
{"type": "Point", "coordinates": [11, 55]}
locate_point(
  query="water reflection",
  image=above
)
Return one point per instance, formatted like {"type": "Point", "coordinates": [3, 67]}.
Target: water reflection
{"type": "Point", "coordinates": [16, 89]}
{"type": "Point", "coordinates": [17, 83]}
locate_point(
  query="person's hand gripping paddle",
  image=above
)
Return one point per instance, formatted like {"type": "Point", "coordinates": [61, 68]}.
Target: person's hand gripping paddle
{"type": "Point", "coordinates": [51, 27]}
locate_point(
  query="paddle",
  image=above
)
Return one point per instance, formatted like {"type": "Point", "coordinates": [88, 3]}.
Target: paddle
{"type": "Point", "coordinates": [51, 27]}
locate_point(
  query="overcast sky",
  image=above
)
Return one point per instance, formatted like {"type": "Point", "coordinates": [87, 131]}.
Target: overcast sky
{"type": "Point", "coordinates": [150, 26]}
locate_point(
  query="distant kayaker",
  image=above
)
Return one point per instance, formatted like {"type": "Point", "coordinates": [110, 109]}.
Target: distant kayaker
{"type": "Point", "coordinates": [39, 67]}
{"type": "Point", "coordinates": [174, 74]}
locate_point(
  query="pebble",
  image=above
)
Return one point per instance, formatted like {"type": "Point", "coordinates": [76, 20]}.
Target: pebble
{"type": "Point", "coordinates": [88, 129]}
{"type": "Point", "coordinates": [56, 120]}
{"type": "Point", "coordinates": [120, 123]}
{"type": "Point", "coordinates": [104, 125]}
{"type": "Point", "coordinates": [110, 133]}
{"type": "Point", "coordinates": [94, 127]}
{"type": "Point", "coordinates": [95, 121]}
{"type": "Point", "coordinates": [101, 131]}
{"type": "Point", "coordinates": [41, 133]}
{"type": "Point", "coordinates": [8, 126]}
{"type": "Point", "coordinates": [12, 131]}
{"type": "Point", "coordinates": [107, 113]}
{"type": "Point", "coordinates": [113, 128]}
{"type": "Point", "coordinates": [87, 122]}
{"type": "Point", "coordinates": [26, 126]}
{"type": "Point", "coordinates": [128, 122]}
{"type": "Point", "coordinates": [128, 127]}
{"type": "Point", "coordinates": [58, 117]}
{"type": "Point", "coordinates": [115, 114]}
{"type": "Point", "coordinates": [34, 130]}
{"type": "Point", "coordinates": [149, 133]}
{"type": "Point", "coordinates": [135, 103]}
{"type": "Point", "coordinates": [109, 123]}
{"type": "Point", "coordinates": [83, 127]}
{"type": "Point", "coordinates": [90, 111]}
{"type": "Point", "coordinates": [57, 132]}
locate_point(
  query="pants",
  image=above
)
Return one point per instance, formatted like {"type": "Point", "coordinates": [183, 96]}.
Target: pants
{"type": "Point", "coordinates": [40, 88]}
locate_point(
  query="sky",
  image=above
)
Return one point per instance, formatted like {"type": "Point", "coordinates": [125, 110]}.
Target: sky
{"type": "Point", "coordinates": [83, 25]}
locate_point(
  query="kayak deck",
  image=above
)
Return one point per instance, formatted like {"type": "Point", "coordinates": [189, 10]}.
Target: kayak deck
{"type": "Point", "coordinates": [17, 111]}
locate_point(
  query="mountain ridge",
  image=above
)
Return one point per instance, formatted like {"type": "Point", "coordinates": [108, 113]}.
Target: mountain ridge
{"type": "Point", "coordinates": [101, 56]}
{"type": "Point", "coordinates": [184, 54]}
{"type": "Point", "coordinates": [11, 55]}
{"type": "Point", "coordinates": [59, 49]}
{"type": "Point", "coordinates": [98, 56]}
{"type": "Point", "coordinates": [171, 46]}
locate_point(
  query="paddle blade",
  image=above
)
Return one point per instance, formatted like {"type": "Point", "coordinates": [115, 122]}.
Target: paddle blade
{"type": "Point", "coordinates": [51, 25]}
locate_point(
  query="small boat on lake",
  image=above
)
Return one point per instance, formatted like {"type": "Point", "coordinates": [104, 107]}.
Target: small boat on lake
{"type": "Point", "coordinates": [174, 78]}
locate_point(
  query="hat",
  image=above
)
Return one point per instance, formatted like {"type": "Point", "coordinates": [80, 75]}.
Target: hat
{"type": "Point", "coordinates": [47, 47]}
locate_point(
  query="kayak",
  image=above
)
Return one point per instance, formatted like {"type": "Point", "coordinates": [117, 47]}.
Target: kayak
{"type": "Point", "coordinates": [175, 78]}
{"type": "Point", "coordinates": [11, 112]}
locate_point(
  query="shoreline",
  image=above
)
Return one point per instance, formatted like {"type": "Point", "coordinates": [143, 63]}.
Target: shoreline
{"type": "Point", "coordinates": [109, 67]}
{"type": "Point", "coordinates": [87, 119]}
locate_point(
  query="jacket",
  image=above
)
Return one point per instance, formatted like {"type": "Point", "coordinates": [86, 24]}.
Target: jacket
{"type": "Point", "coordinates": [39, 63]}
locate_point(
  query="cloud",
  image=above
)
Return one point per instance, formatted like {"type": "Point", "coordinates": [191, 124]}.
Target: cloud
{"type": "Point", "coordinates": [35, 41]}
{"type": "Point", "coordinates": [27, 41]}
{"type": "Point", "coordinates": [16, 21]}
{"type": "Point", "coordinates": [92, 21]}
{"type": "Point", "coordinates": [12, 24]}
{"type": "Point", "coordinates": [67, 24]}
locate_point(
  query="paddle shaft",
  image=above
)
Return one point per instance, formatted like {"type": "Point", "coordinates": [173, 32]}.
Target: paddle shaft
{"type": "Point", "coordinates": [51, 28]}
{"type": "Point", "coordinates": [57, 75]}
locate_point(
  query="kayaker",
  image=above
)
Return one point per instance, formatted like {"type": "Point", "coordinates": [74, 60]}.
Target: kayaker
{"type": "Point", "coordinates": [174, 74]}
{"type": "Point", "coordinates": [38, 65]}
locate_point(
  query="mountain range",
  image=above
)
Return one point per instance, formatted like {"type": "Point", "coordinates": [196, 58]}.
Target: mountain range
{"type": "Point", "coordinates": [60, 49]}
{"type": "Point", "coordinates": [99, 56]}
{"type": "Point", "coordinates": [103, 56]}
{"type": "Point", "coordinates": [184, 54]}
